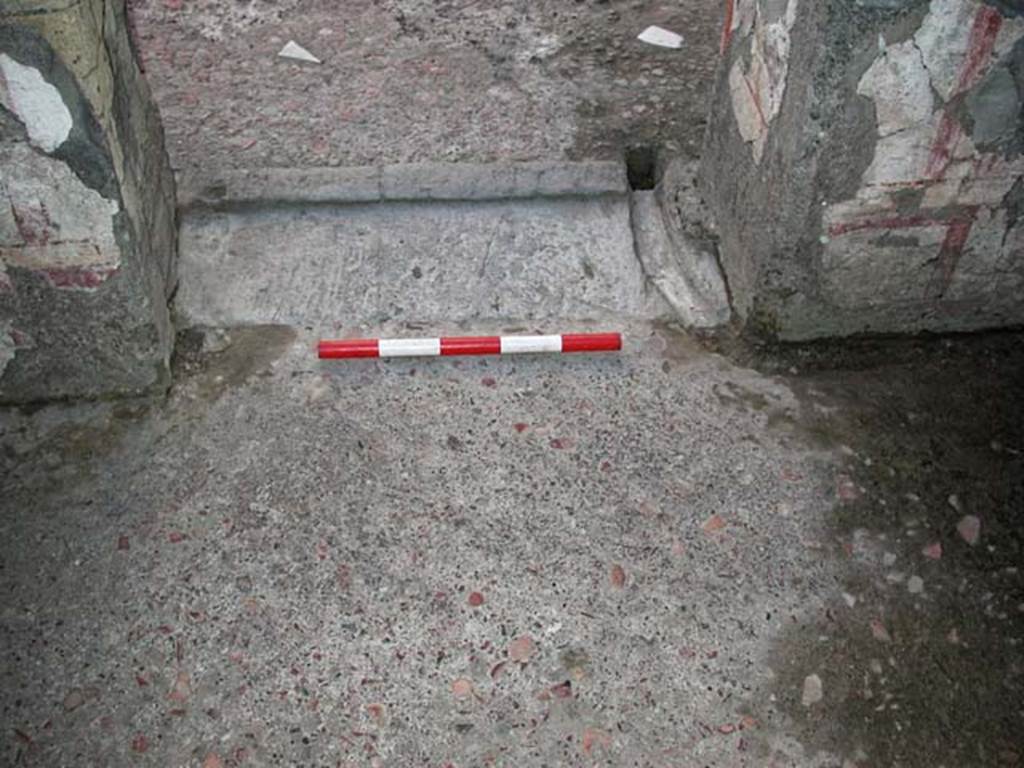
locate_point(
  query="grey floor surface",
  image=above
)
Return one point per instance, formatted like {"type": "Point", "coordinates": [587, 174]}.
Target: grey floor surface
{"type": "Point", "coordinates": [637, 559]}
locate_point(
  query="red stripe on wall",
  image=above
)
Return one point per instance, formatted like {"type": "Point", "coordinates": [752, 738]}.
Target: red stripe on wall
{"type": "Point", "coordinates": [730, 9]}
{"type": "Point", "coordinates": [987, 23]}
{"type": "Point", "coordinates": [949, 254]}
{"type": "Point", "coordinates": [980, 44]}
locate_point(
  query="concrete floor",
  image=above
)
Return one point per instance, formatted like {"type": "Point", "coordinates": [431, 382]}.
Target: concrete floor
{"type": "Point", "coordinates": [636, 559]}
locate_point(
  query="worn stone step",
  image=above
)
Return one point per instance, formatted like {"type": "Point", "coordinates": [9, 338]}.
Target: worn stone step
{"type": "Point", "coordinates": [440, 243]}
{"type": "Point", "coordinates": [480, 243]}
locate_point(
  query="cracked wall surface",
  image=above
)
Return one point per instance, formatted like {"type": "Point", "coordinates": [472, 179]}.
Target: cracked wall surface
{"type": "Point", "coordinates": [87, 233]}
{"type": "Point", "coordinates": [881, 184]}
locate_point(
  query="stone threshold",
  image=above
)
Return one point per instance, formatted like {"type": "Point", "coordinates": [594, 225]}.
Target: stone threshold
{"type": "Point", "coordinates": [420, 182]}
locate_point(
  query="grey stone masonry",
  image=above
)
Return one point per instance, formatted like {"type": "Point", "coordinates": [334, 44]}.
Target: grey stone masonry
{"type": "Point", "coordinates": [864, 166]}
{"type": "Point", "coordinates": [87, 224]}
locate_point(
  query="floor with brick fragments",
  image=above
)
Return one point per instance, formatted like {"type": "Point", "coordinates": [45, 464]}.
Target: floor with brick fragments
{"type": "Point", "coordinates": [687, 554]}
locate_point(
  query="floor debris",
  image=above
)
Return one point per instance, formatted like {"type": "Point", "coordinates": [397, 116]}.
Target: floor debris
{"type": "Point", "coordinates": [462, 688]}
{"type": "Point", "coordinates": [293, 50]}
{"type": "Point", "coordinates": [879, 631]}
{"type": "Point", "coordinates": [813, 691]}
{"type": "Point", "coordinates": [521, 649]}
{"type": "Point", "coordinates": [714, 523]}
{"type": "Point", "coordinates": [661, 37]}
{"type": "Point", "coordinates": [617, 576]}
{"type": "Point", "coordinates": [969, 529]}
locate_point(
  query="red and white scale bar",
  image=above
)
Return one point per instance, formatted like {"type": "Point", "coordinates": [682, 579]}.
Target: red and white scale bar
{"type": "Point", "coordinates": [470, 345]}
